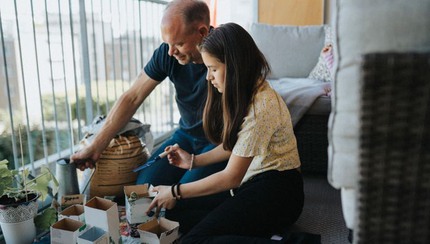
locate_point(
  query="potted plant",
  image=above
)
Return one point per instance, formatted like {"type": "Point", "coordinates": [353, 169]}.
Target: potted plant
{"type": "Point", "coordinates": [18, 201]}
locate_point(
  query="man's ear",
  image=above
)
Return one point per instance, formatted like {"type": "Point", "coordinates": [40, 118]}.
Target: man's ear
{"type": "Point", "coordinates": [203, 30]}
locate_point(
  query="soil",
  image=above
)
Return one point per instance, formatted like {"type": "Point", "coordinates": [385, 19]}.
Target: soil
{"type": "Point", "coordinates": [5, 201]}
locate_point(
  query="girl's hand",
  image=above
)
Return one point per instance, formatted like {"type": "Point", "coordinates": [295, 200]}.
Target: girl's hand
{"type": "Point", "coordinates": [178, 157]}
{"type": "Point", "coordinates": [164, 199]}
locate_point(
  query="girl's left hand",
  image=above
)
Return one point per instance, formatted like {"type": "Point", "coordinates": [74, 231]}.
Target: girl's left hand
{"type": "Point", "coordinates": [164, 199]}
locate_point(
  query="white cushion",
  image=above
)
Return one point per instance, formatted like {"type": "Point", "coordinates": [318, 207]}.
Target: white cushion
{"type": "Point", "coordinates": [292, 51]}
{"type": "Point", "coordinates": [348, 198]}
{"type": "Point", "coordinates": [366, 26]}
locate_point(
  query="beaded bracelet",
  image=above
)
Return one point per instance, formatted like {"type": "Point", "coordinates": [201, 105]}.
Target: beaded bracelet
{"type": "Point", "coordinates": [192, 162]}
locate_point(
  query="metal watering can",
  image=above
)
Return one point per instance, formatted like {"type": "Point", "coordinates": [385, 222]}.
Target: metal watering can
{"type": "Point", "coordinates": [67, 178]}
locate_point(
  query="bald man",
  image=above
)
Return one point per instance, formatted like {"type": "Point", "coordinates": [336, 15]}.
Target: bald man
{"type": "Point", "coordinates": [184, 24]}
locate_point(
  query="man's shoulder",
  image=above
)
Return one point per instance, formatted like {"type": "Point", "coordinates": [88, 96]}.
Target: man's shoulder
{"type": "Point", "coordinates": [164, 47]}
{"type": "Point", "coordinates": [162, 51]}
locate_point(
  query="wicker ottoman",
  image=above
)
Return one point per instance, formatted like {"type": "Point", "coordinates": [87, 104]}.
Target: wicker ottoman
{"type": "Point", "coordinates": [311, 135]}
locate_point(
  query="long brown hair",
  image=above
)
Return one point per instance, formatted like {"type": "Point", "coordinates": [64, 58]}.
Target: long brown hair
{"type": "Point", "coordinates": [246, 69]}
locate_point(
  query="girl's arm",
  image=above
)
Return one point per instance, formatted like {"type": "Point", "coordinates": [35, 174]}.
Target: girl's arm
{"type": "Point", "coordinates": [216, 155]}
{"type": "Point", "coordinates": [182, 159]}
{"type": "Point", "coordinates": [229, 178]}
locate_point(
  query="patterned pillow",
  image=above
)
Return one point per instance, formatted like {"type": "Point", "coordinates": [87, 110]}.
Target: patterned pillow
{"type": "Point", "coordinates": [323, 70]}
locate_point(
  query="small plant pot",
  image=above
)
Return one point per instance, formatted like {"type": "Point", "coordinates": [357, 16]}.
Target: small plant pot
{"type": "Point", "coordinates": [17, 219]}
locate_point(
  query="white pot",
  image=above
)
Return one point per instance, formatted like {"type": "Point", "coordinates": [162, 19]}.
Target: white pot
{"type": "Point", "coordinates": [17, 222]}
{"type": "Point", "coordinates": [20, 232]}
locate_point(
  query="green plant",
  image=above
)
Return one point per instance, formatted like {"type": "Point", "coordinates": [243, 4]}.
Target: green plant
{"type": "Point", "coordinates": [45, 219]}
{"type": "Point", "coordinates": [18, 185]}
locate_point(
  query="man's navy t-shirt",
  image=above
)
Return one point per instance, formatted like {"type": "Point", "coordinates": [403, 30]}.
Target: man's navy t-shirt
{"type": "Point", "coordinates": [190, 84]}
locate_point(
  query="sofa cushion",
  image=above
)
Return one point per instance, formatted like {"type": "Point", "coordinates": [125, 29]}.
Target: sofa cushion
{"type": "Point", "coordinates": [323, 70]}
{"type": "Point", "coordinates": [321, 106]}
{"type": "Point", "coordinates": [292, 51]}
{"type": "Point", "coordinates": [366, 26]}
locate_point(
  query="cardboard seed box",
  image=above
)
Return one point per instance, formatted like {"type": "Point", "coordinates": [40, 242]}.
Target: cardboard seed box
{"type": "Point", "coordinates": [75, 212]}
{"type": "Point", "coordinates": [66, 231]}
{"type": "Point", "coordinates": [137, 200]}
{"type": "Point", "coordinates": [161, 231]}
{"type": "Point", "coordinates": [94, 235]}
{"type": "Point", "coordinates": [103, 213]}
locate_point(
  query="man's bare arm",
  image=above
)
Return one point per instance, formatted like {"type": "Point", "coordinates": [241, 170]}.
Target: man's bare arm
{"type": "Point", "coordinates": [125, 108]}
{"type": "Point", "coordinates": [121, 113]}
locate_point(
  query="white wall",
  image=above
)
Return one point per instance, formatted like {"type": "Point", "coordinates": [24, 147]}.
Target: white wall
{"type": "Point", "coordinates": [241, 12]}
{"type": "Point", "coordinates": [244, 12]}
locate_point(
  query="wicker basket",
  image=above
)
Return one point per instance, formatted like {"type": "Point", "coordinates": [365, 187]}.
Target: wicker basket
{"type": "Point", "coordinates": [114, 170]}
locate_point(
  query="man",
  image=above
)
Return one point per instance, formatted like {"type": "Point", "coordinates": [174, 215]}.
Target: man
{"type": "Point", "coordinates": [184, 25]}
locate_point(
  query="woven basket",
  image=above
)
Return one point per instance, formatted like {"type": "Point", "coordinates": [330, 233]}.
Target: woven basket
{"type": "Point", "coordinates": [114, 170]}
{"type": "Point", "coordinates": [394, 181]}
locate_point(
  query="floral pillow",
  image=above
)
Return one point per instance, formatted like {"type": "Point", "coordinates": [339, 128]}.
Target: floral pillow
{"type": "Point", "coordinates": [323, 70]}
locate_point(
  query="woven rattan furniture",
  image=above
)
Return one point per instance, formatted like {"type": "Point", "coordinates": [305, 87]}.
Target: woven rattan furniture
{"type": "Point", "coordinates": [394, 181]}
{"type": "Point", "coordinates": [312, 142]}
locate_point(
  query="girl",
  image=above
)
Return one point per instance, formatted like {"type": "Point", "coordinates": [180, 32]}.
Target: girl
{"type": "Point", "coordinates": [252, 127]}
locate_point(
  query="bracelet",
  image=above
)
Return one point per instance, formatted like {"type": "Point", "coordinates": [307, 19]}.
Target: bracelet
{"type": "Point", "coordinates": [192, 162]}
{"type": "Point", "coordinates": [173, 191]}
{"type": "Point", "coordinates": [178, 191]}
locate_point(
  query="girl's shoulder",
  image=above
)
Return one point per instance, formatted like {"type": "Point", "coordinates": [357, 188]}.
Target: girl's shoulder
{"type": "Point", "coordinates": [268, 101]}
{"type": "Point", "coordinates": [266, 94]}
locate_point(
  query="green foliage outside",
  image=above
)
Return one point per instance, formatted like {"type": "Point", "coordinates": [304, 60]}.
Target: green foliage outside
{"type": "Point", "coordinates": [53, 118]}
{"type": "Point", "coordinates": [36, 132]}
{"type": "Point", "coordinates": [6, 144]}
{"type": "Point", "coordinates": [61, 108]}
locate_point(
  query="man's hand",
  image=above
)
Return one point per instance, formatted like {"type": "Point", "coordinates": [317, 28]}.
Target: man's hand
{"type": "Point", "coordinates": [85, 158]}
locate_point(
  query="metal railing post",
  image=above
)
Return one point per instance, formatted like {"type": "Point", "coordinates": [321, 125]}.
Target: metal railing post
{"type": "Point", "coordinates": [86, 72]}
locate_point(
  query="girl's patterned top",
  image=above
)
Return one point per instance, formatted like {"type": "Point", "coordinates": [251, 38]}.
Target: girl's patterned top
{"type": "Point", "coordinates": [267, 135]}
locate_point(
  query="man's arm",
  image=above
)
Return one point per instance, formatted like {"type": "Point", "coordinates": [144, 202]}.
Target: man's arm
{"type": "Point", "coordinates": [118, 117]}
{"type": "Point", "coordinates": [125, 108]}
